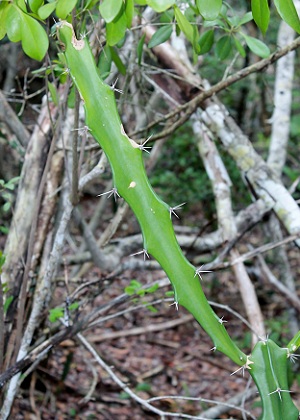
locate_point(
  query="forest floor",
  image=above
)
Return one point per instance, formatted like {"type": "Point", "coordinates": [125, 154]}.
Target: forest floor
{"type": "Point", "coordinates": [174, 360]}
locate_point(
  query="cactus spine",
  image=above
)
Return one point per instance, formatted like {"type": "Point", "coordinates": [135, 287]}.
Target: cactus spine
{"type": "Point", "coordinates": [131, 182]}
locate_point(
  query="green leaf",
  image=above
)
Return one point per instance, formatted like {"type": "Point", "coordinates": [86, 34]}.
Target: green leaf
{"type": "Point", "coordinates": [160, 5]}
{"type": "Point", "coordinates": [53, 93]}
{"type": "Point", "coordinates": [35, 5]}
{"type": "Point", "coordinates": [89, 4]}
{"type": "Point", "coordinates": [261, 14]}
{"type": "Point", "coordinates": [206, 41]}
{"type": "Point", "coordinates": [6, 207]}
{"type": "Point", "coordinates": [246, 18]}
{"type": "Point", "coordinates": [14, 24]}
{"type": "Point", "coordinates": [22, 27]}
{"type": "Point", "coordinates": [74, 306]}
{"type": "Point", "coordinates": [110, 9]}
{"type": "Point", "coordinates": [133, 287]}
{"type": "Point", "coordinates": [223, 47]}
{"type": "Point", "coordinates": [55, 314]}
{"type": "Point", "coordinates": [64, 8]}
{"type": "Point", "coordinates": [257, 46]}
{"type": "Point", "coordinates": [144, 386]}
{"type": "Point", "coordinates": [45, 11]}
{"type": "Point", "coordinates": [152, 309]}
{"type": "Point", "coordinates": [160, 36]}
{"type": "Point", "coordinates": [7, 303]}
{"type": "Point", "coordinates": [115, 31]}
{"type": "Point", "coordinates": [152, 289]}
{"type": "Point", "coordinates": [209, 10]}
{"type": "Point", "coordinates": [11, 184]}
{"type": "Point", "coordinates": [4, 8]}
{"type": "Point", "coordinates": [136, 284]}
{"type": "Point", "coordinates": [2, 261]}
{"type": "Point", "coordinates": [21, 4]}
{"type": "Point", "coordinates": [140, 47]}
{"type": "Point", "coordinates": [117, 60]}
{"type": "Point", "coordinates": [130, 290]}
{"type": "Point", "coordinates": [71, 97]}
{"type": "Point", "coordinates": [184, 25]}
{"type": "Point", "coordinates": [239, 47]}
{"type": "Point", "coordinates": [105, 61]}
{"type": "Point", "coordinates": [129, 12]}
{"type": "Point", "coordinates": [288, 13]}
{"type": "Point", "coordinates": [35, 42]}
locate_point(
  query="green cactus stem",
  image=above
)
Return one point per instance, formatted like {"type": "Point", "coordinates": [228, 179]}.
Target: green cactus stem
{"type": "Point", "coordinates": [131, 182]}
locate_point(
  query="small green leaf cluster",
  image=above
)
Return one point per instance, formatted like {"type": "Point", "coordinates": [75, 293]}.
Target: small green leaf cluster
{"type": "Point", "coordinates": [56, 313]}
{"type": "Point", "coordinates": [118, 17]}
{"type": "Point", "coordinates": [22, 20]}
{"type": "Point", "coordinates": [4, 286]}
{"type": "Point", "coordinates": [21, 24]}
{"type": "Point", "coordinates": [218, 17]}
{"type": "Point", "coordinates": [136, 288]}
{"type": "Point", "coordinates": [109, 55]}
{"type": "Point", "coordinates": [222, 27]}
{"type": "Point", "coordinates": [6, 196]}
{"type": "Point", "coordinates": [2, 261]}
{"type": "Point", "coordinates": [285, 8]}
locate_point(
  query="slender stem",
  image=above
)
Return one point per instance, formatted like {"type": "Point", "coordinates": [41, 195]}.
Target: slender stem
{"type": "Point", "coordinates": [75, 172]}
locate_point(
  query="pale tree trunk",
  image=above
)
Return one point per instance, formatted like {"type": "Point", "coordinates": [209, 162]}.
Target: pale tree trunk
{"type": "Point", "coordinates": [221, 186]}
{"type": "Point", "coordinates": [23, 216]}
{"type": "Point", "coordinates": [281, 121]}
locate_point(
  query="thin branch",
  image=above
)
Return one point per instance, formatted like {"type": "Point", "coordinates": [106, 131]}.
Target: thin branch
{"type": "Point", "coordinates": [75, 171]}
{"type": "Point", "coordinates": [190, 107]}
{"type": "Point", "coordinates": [230, 404]}
{"type": "Point", "coordinates": [280, 287]}
{"type": "Point", "coordinates": [8, 116]}
{"type": "Point", "coordinates": [218, 263]}
{"type": "Point", "coordinates": [142, 330]}
{"type": "Point", "coordinates": [115, 378]}
{"type": "Point", "coordinates": [126, 389]}
{"type": "Point", "coordinates": [2, 329]}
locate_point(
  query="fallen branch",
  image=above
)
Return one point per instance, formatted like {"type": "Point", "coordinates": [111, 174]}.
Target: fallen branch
{"type": "Point", "coordinates": [141, 330]}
